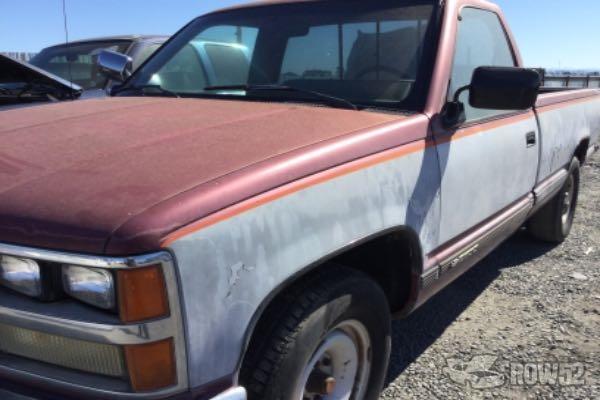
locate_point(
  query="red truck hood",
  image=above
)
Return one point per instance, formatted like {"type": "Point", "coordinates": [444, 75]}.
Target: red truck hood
{"type": "Point", "coordinates": [72, 174]}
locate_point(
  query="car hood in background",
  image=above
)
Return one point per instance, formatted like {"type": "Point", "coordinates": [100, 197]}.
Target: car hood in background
{"type": "Point", "coordinates": [12, 71]}
{"type": "Point", "coordinates": [72, 174]}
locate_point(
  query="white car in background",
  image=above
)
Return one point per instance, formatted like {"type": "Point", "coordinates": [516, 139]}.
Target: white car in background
{"type": "Point", "coordinates": [204, 63]}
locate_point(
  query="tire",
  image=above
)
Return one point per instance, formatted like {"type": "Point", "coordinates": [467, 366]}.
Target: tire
{"type": "Point", "coordinates": [553, 222]}
{"type": "Point", "coordinates": [338, 312]}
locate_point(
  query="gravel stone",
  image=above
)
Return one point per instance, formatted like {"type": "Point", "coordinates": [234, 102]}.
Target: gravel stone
{"type": "Point", "coordinates": [579, 276]}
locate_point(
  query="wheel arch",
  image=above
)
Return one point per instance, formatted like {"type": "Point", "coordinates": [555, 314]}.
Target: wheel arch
{"type": "Point", "coordinates": [582, 150]}
{"type": "Point", "coordinates": [397, 270]}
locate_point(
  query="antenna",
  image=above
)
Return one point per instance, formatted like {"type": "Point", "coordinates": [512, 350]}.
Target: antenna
{"type": "Point", "coordinates": [64, 10]}
{"type": "Point", "coordinates": [66, 26]}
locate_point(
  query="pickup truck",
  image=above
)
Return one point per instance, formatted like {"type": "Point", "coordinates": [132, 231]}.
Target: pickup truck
{"type": "Point", "coordinates": [252, 239]}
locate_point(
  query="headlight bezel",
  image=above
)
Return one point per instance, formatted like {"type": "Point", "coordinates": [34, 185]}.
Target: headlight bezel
{"type": "Point", "coordinates": [78, 282]}
{"type": "Point", "coordinates": [164, 333]}
{"type": "Point", "coordinates": [22, 275]}
{"type": "Point", "coordinates": [49, 287]}
{"type": "Point", "coordinates": [124, 290]}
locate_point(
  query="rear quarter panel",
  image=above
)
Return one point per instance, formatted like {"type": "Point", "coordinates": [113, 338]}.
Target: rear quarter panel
{"type": "Point", "coordinates": [566, 119]}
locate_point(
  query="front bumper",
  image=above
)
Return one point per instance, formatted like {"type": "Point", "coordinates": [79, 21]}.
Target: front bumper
{"type": "Point", "coordinates": [238, 393]}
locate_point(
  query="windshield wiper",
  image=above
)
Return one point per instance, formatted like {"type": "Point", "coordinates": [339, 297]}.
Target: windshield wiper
{"type": "Point", "coordinates": [326, 98]}
{"type": "Point", "coordinates": [145, 90]}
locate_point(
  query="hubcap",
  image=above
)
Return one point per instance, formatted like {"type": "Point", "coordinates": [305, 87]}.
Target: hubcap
{"type": "Point", "coordinates": [568, 197]}
{"type": "Point", "coordinates": [339, 369]}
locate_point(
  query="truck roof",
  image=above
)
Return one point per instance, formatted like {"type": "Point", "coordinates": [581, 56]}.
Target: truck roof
{"type": "Point", "coordinates": [114, 38]}
{"type": "Point", "coordinates": [259, 3]}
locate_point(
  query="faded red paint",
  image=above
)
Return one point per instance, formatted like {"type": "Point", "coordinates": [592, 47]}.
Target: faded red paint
{"type": "Point", "coordinates": [118, 176]}
{"type": "Point", "coordinates": [265, 181]}
{"type": "Point", "coordinates": [77, 172]}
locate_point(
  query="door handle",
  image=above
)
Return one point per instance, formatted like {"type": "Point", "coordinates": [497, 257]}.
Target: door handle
{"type": "Point", "coordinates": [530, 139]}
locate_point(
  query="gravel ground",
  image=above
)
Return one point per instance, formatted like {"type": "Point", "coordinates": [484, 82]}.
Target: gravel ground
{"type": "Point", "coordinates": [527, 308]}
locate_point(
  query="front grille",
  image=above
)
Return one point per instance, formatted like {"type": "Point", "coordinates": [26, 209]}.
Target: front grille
{"type": "Point", "coordinates": [65, 352]}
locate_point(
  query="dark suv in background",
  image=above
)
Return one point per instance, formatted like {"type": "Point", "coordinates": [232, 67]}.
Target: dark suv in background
{"type": "Point", "coordinates": [76, 61]}
{"type": "Point", "coordinates": [68, 71]}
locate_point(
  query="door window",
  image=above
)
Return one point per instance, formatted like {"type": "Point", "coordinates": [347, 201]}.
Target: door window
{"type": "Point", "coordinates": [481, 41]}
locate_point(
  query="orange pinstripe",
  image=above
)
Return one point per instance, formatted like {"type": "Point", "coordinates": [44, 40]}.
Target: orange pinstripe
{"type": "Point", "coordinates": [346, 169]}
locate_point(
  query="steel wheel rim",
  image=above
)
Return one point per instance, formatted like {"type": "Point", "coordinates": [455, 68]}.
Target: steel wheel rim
{"type": "Point", "coordinates": [345, 355]}
{"type": "Point", "coordinates": [568, 197]}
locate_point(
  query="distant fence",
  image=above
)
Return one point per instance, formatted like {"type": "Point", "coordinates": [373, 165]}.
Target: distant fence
{"type": "Point", "coordinates": [18, 55]}
{"type": "Point", "coordinates": [571, 81]}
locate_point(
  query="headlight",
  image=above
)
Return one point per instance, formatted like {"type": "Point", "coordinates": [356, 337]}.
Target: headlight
{"type": "Point", "coordinates": [93, 286]}
{"type": "Point", "coordinates": [21, 274]}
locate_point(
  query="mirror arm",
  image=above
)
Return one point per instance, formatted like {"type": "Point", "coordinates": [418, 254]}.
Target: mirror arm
{"type": "Point", "coordinates": [459, 92]}
{"type": "Point", "coordinates": [453, 114]}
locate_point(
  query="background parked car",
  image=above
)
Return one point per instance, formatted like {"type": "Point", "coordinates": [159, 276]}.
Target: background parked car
{"type": "Point", "coordinates": [203, 63]}
{"type": "Point", "coordinates": [22, 84]}
{"type": "Point", "coordinates": [76, 61]}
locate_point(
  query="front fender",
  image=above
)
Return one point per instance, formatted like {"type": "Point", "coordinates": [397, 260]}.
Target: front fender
{"type": "Point", "coordinates": [230, 268]}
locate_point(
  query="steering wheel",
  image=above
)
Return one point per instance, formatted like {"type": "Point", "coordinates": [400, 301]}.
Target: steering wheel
{"type": "Point", "coordinates": [381, 68]}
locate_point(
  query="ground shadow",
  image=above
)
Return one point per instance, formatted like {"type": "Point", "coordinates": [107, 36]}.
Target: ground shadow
{"type": "Point", "coordinates": [413, 335]}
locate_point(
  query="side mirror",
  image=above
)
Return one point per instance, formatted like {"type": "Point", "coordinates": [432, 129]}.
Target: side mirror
{"type": "Point", "coordinates": [501, 88]}
{"type": "Point", "coordinates": [115, 66]}
{"type": "Point", "coordinates": [494, 88]}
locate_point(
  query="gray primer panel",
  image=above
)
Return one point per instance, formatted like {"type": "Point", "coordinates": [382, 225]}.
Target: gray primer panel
{"type": "Point", "coordinates": [484, 173]}
{"type": "Point", "coordinates": [228, 269]}
{"type": "Point", "coordinates": [563, 129]}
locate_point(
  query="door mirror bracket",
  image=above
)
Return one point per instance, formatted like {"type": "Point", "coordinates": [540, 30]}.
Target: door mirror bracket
{"type": "Point", "coordinates": [453, 114]}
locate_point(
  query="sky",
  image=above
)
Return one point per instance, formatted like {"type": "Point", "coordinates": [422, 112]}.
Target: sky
{"type": "Point", "coordinates": [550, 33]}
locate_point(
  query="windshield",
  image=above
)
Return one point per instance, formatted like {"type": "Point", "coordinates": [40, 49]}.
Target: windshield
{"type": "Point", "coordinates": [369, 53]}
{"type": "Point", "coordinates": [77, 62]}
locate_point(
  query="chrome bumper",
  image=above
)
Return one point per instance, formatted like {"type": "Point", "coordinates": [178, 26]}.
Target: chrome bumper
{"type": "Point", "coordinates": [238, 393]}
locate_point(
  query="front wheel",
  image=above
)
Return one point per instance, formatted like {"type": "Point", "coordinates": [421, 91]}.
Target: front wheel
{"type": "Point", "coordinates": [553, 222]}
{"type": "Point", "coordinates": [326, 339]}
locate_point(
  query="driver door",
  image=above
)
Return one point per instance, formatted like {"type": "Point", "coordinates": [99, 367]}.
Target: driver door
{"type": "Point", "coordinates": [490, 163]}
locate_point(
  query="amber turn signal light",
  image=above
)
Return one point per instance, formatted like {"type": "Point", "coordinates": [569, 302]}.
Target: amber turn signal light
{"type": "Point", "coordinates": [151, 366]}
{"type": "Point", "coordinates": [142, 294]}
